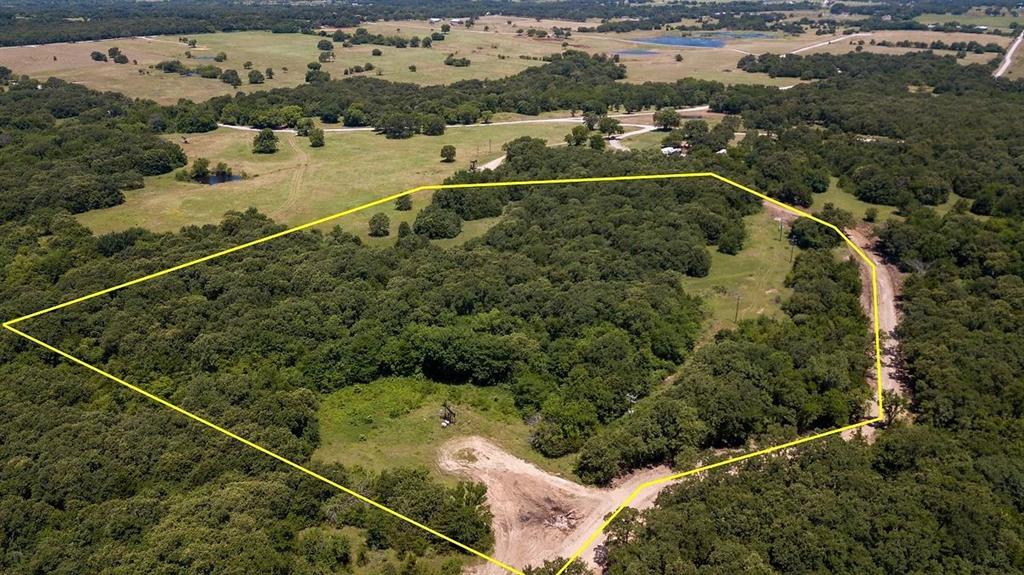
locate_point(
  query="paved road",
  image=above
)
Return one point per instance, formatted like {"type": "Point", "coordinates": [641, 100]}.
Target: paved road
{"type": "Point", "coordinates": [1008, 58]}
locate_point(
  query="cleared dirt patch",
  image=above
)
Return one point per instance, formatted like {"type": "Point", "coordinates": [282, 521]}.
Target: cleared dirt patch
{"type": "Point", "coordinates": [539, 516]}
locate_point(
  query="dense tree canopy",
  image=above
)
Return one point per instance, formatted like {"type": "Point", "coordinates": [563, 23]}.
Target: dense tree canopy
{"type": "Point", "coordinates": [941, 495]}
{"type": "Point", "coordinates": [63, 146]}
{"type": "Point", "coordinates": [894, 130]}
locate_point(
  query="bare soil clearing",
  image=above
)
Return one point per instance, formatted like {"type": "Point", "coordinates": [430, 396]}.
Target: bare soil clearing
{"type": "Point", "coordinates": [539, 516]}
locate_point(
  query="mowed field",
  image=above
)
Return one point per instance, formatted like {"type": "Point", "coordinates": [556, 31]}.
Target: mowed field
{"type": "Point", "coordinates": [644, 61]}
{"type": "Point", "coordinates": [754, 277]}
{"type": "Point", "coordinates": [494, 54]}
{"type": "Point", "coordinates": [300, 184]}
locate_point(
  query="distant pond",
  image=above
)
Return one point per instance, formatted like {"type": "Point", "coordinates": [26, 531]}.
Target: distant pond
{"type": "Point", "coordinates": [689, 41]}
{"type": "Point", "coordinates": [711, 40]}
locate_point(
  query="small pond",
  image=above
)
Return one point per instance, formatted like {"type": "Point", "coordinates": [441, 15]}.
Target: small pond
{"type": "Point", "coordinates": [214, 180]}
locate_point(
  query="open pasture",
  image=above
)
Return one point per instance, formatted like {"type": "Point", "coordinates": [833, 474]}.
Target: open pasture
{"type": "Point", "coordinates": [300, 184]}
{"type": "Point", "coordinates": [495, 47]}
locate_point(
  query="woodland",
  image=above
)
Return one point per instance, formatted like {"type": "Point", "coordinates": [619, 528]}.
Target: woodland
{"type": "Point", "coordinates": [572, 302]}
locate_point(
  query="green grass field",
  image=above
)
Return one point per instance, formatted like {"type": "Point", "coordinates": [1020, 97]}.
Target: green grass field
{"type": "Point", "coordinates": [846, 201]}
{"type": "Point", "coordinates": [756, 275]}
{"type": "Point", "coordinates": [287, 54]}
{"type": "Point", "coordinates": [844, 46]}
{"type": "Point", "coordinates": [973, 17]}
{"type": "Point", "coordinates": [396, 422]}
{"type": "Point", "coordinates": [645, 142]}
{"type": "Point", "coordinates": [300, 184]}
{"type": "Point", "coordinates": [495, 48]}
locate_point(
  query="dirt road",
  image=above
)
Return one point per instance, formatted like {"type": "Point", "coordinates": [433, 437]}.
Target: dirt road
{"type": "Point", "coordinates": [889, 279]}
{"type": "Point", "coordinates": [617, 144]}
{"type": "Point", "coordinates": [1008, 58]}
{"type": "Point", "coordinates": [539, 516]}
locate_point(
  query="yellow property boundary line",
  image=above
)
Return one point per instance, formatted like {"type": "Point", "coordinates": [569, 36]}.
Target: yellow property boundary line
{"type": "Point", "coordinates": [9, 325]}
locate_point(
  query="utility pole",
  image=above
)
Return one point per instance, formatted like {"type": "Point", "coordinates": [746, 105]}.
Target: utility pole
{"type": "Point", "coordinates": [736, 316]}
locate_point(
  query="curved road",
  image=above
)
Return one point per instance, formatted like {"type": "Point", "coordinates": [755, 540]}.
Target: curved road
{"type": "Point", "coordinates": [615, 144]}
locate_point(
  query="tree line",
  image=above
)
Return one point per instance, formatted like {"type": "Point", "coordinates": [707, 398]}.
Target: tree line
{"type": "Point", "coordinates": [534, 305]}
{"type": "Point", "coordinates": [765, 382]}
{"type": "Point", "coordinates": [142, 490]}
{"type": "Point", "coordinates": [569, 81]}
{"type": "Point", "coordinates": [938, 490]}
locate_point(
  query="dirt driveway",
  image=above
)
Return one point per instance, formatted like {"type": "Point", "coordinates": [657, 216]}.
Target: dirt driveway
{"type": "Point", "coordinates": [889, 279]}
{"type": "Point", "coordinates": [539, 516]}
